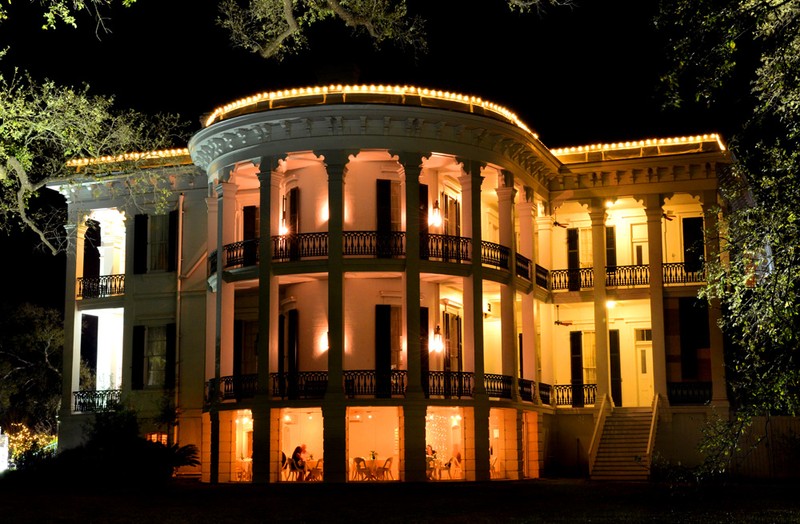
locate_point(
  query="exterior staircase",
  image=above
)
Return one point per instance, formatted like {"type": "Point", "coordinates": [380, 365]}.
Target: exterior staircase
{"type": "Point", "coordinates": [622, 451]}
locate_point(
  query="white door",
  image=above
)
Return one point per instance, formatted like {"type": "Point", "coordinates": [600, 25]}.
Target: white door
{"type": "Point", "coordinates": [644, 366]}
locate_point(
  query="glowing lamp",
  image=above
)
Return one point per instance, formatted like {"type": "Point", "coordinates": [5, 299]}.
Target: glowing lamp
{"type": "Point", "coordinates": [436, 344]}
{"type": "Point", "coordinates": [435, 216]}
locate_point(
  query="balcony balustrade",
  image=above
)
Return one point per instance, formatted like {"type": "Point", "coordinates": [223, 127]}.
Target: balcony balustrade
{"type": "Point", "coordinates": [570, 395]}
{"type": "Point", "coordinates": [367, 383]}
{"type": "Point", "coordinates": [94, 401]}
{"type": "Point", "coordinates": [678, 273]}
{"type": "Point", "coordinates": [448, 384]}
{"type": "Point", "coordinates": [101, 287]}
{"type": "Point", "coordinates": [303, 246]}
{"type": "Point", "coordinates": [689, 393]}
{"type": "Point", "coordinates": [447, 248]}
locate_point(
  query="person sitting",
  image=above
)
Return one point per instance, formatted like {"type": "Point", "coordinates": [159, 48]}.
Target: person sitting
{"type": "Point", "coordinates": [453, 466]}
{"type": "Point", "coordinates": [299, 462]}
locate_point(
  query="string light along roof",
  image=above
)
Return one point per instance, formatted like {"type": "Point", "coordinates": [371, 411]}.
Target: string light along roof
{"type": "Point", "coordinates": [159, 158]}
{"type": "Point", "coordinates": [640, 148]}
{"type": "Point", "coordinates": [375, 94]}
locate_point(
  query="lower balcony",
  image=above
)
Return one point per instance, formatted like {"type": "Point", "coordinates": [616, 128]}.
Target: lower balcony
{"type": "Point", "coordinates": [689, 393]}
{"type": "Point", "coordinates": [367, 383]}
{"type": "Point", "coordinates": [93, 401]}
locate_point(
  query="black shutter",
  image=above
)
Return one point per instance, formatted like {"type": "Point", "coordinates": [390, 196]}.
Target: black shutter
{"type": "Point", "coordinates": [573, 260]}
{"type": "Point", "coordinates": [611, 249]}
{"type": "Point", "coordinates": [137, 362]}
{"type": "Point", "coordinates": [424, 249]}
{"type": "Point", "coordinates": [383, 351]}
{"type": "Point", "coordinates": [140, 244]}
{"type": "Point", "coordinates": [170, 371]}
{"type": "Point", "coordinates": [293, 348]}
{"type": "Point", "coordinates": [616, 368]}
{"type": "Point", "coordinates": [89, 324]}
{"type": "Point", "coordinates": [91, 255]}
{"type": "Point", "coordinates": [249, 235]}
{"type": "Point", "coordinates": [576, 363]}
{"type": "Point", "coordinates": [281, 356]}
{"type": "Point", "coordinates": [383, 210]}
{"type": "Point", "coordinates": [172, 246]}
{"type": "Point", "coordinates": [424, 349]}
{"type": "Point", "coordinates": [693, 244]}
{"type": "Point", "coordinates": [293, 224]}
{"type": "Point", "coordinates": [694, 333]}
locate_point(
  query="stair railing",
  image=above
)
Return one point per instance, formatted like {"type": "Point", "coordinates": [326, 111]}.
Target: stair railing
{"type": "Point", "coordinates": [602, 411]}
{"type": "Point", "coordinates": [651, 441]}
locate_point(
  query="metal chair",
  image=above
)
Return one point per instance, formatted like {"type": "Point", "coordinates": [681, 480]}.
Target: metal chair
{"type": "Point", "coordinates": [386, 469]}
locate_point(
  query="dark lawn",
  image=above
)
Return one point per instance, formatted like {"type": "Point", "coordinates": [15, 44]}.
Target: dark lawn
{"type": "Point", "coordinates": [189, 501]}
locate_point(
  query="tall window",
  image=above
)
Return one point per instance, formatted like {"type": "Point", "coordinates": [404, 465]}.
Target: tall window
{"type": "Point", "coordinates": [155, 356]}
{"type": "Point", "coordinates": [589, 358]}
{"type": "Point", "coordinates": [155, 243]}
{"type": "Point", "coordinates": [159, 242]}
{"type": "Point", "coordinates": [153, 363]}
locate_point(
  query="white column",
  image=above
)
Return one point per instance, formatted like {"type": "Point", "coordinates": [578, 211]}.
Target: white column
{"type": "Point", "coordinates": [530, 365]}
{"type": "Point", "coordinates": [654, 212]}
{"type": "Point", "coordinates": [597, 213]}
{"type": "Point", "coordinates": [508, 330]}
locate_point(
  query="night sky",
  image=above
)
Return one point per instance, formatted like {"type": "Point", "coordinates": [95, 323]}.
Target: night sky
{"type": "Point", "coordinates": [579, 75]}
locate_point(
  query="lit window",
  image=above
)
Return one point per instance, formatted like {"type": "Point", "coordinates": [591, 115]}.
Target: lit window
{"type": "Point", "coordinates": [155, 356]}
{"type": "Point", "coordinates": [157, 436]}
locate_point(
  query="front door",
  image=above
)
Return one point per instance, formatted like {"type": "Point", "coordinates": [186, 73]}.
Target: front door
{"type": "Point", "coordinates": [644, 366]}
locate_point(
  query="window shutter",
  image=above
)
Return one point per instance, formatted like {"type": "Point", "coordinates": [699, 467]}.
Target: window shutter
{"type": "Point", "coordinates": [383, 351]}
{"type": "Point", "coordinates": [615, 365]}
{"type": "Point", "coordinates": [172, 246]}
{"type": "Point", "coordinates": [576, 367]}
{"type": "Point", "coordinates": [611, 249]}
{"type": "Point", "coordinates": [137, 366]}
{"type": "Point", "coordinates": [170, 371]}
{"type": "Point", "coordinates": [140, 244]}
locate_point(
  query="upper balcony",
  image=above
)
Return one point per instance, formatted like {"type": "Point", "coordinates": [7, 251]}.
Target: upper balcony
{"type": "Point", "coordinates": [101, 287]}
{"type": "Point", "coordinates": [371, 244]}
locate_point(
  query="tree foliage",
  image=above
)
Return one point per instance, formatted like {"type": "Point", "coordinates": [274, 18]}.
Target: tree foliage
{"type": "Point", "coordinates": [278, 28]}
{"type": "Point", "coordinates": [43, 125]}
{"type": "Point", "coordinates": [747, 52]}
{"type": "Point", "coordinates": [31, 345]}
{"type": "Point", "coordinates": [56, 12]}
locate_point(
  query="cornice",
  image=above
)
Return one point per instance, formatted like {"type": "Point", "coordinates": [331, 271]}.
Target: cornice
{"type": "Point", "coordinates": [396, 128]}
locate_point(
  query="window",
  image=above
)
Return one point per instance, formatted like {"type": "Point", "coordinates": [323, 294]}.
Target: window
{"type": "Point", "coordinates": [155, 242]}
{"type": "Point", "coordinates": [589, 358]}
{"type": "Point", "coordinates": [159, 242]}
{"type": "Point", "coordinates": [153, 357]}
{"type": "Point", "coordinates": [156, 436]}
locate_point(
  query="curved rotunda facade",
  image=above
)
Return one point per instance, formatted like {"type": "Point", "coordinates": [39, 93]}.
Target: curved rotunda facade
{"type": "Point", "coordinates": [370, 271]}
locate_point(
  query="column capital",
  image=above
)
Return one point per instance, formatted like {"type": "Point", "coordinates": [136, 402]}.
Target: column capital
{"type": "Point", "coordinates": [505, 194]}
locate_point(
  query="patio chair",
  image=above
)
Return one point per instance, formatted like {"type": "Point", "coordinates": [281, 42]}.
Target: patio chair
{"type": "Point", "coordinates": [493, 468]}
{"type": "Point", "coordinates": [382, 471]}
{"type": "Point", "coordinates": [361, 471]}
{"type": "Point", "coordinates": [430, 467]}
{"type": "Point", "coordinates": [316, 471]}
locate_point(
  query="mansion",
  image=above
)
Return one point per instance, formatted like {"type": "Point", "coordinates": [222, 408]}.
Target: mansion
{"type": "Point", "coordinates": [372, 270]}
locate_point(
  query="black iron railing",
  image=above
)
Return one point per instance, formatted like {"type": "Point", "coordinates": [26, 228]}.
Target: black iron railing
{"type": "Point", "coordinates": [676, 273]}
{"type": "Point", "coordinates": [545, 393]}
{"type": "Point", "coordinates": [448, 384]}
{"type": "Point", "coordinates": [523, 267]}
{"type": "Point", "coordinates": [93, 401]}
{"type": "Point", "coordinates": [620, 276]}
{"type": "Point", "coordinates": [527, 389]}
{"type": "Point", "coordinates": [495, 255]}
{"type": "Point", "coordinates": [446, 248]}
{"type": "Point", "coordinates": [101, 287]}
{"type": "Point", "coordinates": [542, 277]}
{"type": "Point", "coordinates": [689, 393]}
{"type": "Point", "coordinates": [241, 254]}
{"type": "Point", "coordinates": [391, 244]}
{"type": "Point", "coordinates": [299, 245]}
{"type": "Point", "coordinates": [303, 384]}
{"type": "Point", "coordinates": [498, 386]}
{"type": "Point", "coordinates": [569, 395]}
{"type": "Point", "coordinates": [371, 383]}
{"type": "Point", "coordinates": [233, 387]}
{"type": "Point", "coordinates": [572, 279]}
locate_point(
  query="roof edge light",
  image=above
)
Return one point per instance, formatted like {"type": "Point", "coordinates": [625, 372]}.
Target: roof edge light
{"type": "Point", "coordinates": [267, 100]}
